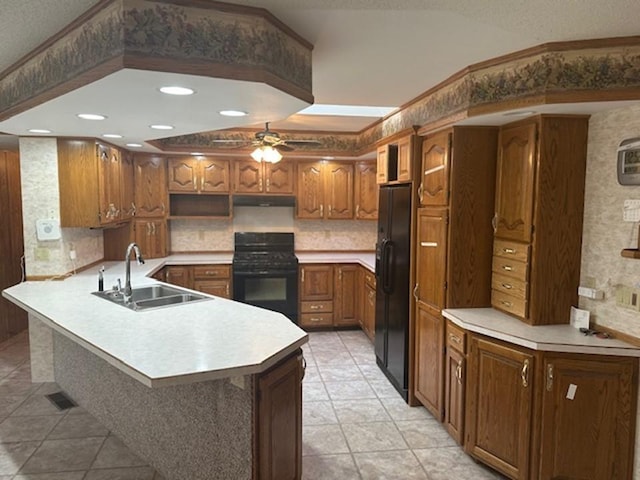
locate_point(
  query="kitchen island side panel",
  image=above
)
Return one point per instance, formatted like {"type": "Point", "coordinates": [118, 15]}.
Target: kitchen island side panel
{"type": "Point", "coordinates": [199, 431]}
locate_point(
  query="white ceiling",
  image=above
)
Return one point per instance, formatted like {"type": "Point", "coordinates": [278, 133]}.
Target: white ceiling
{"type": "Point", "coordinates": [366, 52]}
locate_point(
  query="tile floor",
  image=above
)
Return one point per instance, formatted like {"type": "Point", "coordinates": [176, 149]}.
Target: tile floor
{"type": "Point", "coordinates": [355, 425]}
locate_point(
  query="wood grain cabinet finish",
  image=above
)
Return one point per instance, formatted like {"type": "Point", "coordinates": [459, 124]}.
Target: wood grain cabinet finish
{"type": "Point", "coordinates": [278, 421]}
{"type": "Point", "coordinates": [453, 244]}
{"type": "Point", "coordinates": [127, 185]}
{"type": "Point", "coordinates": [213, 279]}
{"type": "Point", "coordinates": [455, 381]}
{"type": "Point", "coordinates": [91, 184]}
{"type": "Point", "coordinates": [198, 175]}
{"type": "Point", "coordinates": [588, 417]}
{"type": "Point", "coordinates": [181, 276]}
{"type": "Point", "coordinates": [539, 208]}
{"type": "Point", "coordinates": [395, 158]}
{"type": "Point", "coordinates": [150, 176]}
{"type": "Point", "coordinates": [346, 294]}
{"type": "Point", "coordinates": [250, 176]}
{"type": "Point", "coordinates": [429, 361]}
{"type": "Point", "coordinates": [316, 295]}
{"type": "Point", "coordinates": [151, 235]}
{"type": "Point", "coordinates": [325, 190]}
{"type": "Point", "coordinates": [366, 191]}
{"type": "Point", "coordinates": [500, 386]}
{"type": "Point", "coordinates": [368, 322]}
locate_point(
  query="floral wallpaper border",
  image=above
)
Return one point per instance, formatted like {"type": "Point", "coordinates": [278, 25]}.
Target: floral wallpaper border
{"type": "Point", "coordinates": [144, 30]}
{"type": "Point", "coordinates": [591, 72]}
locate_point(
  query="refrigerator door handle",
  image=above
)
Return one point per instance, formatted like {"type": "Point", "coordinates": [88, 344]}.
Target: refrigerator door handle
{"type": "Point", "coordinates": [387, 257]}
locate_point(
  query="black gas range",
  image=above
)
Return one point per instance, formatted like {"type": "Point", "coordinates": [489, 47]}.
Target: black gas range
{"type": "Point", "coordinates": [265, 271]}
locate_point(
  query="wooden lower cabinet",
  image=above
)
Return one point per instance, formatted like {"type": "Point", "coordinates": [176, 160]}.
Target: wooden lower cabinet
{"type": "Point", "coordinates": [455, 381]}
{"type": "Point", "coordinates": [179, 275]}
{"type": "Point", "coordinates": [588, 417]}
{"type": "Point", "coordinates": [345, 301]}
{"type": "Point", "coordinates": [428, 360]}
{"type": "Point", "coordinates": [368, 314]}
{"type": "Point", "coordinates": [210, 279]}
{"type": "Point", "coordinates": [278, 420]}
{"type": "Point", "coordinates": [500, 405]}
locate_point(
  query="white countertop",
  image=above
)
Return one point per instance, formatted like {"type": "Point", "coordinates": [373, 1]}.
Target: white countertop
{"type": "Point", "coordinates": [550, 338]}
{"type": "Point", "coordinates": [187, 343]}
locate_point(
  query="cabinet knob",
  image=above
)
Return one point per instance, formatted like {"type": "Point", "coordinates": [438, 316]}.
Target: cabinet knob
{"type": "Point", "coordinates": [506, 304]}
{"type": "Point", "coordinates": [510, 251]}
{"type": "Point", "coordinates": [508, 286]}
{"type": "Point", "coordinates": [507, 268]}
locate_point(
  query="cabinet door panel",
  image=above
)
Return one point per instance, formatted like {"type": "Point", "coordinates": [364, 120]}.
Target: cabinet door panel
{"type": "Point", "coordinates": [514, 182]}
{"type": "Point", "coordinates": [316, 282]}
{"type": "Point", "coordinates": [180, 276]}
{"type": "Point", "coordinates": [499, 407]}
{"type": "Point", "coordinates": [432, 257]}
{"type": "Point", "coordinates": [183, 174]}
{"type": "Point", "coordinates": [454, 394]}
{"type": "Point", "coordinates": [345, 301]}
{"type": "Point", "coordinates": [382, 165]}
{"type": "Point", "coordinates": [366, 191]}
{"type": "Point", "coordinates": [310, 197]}
{"type": "Point", "coordinates": [434, 177]}
{"type": "Point", "coordinates": [279, 177]}
{"type": "Point", "coordinates": [219, 288]}
{"type": "Point", "coordinates": [586, 419]}
{"type": "Point", "coordinates": [127, 186]}
{"type": "Point", "coordinates": [404, 159]}
{"type": "Point", "coordinates": [339, 188]}
{"type": "Point", "coordinates": [428, 362]}
{"type": "Point", "coordinates": [214, 175]}
{"type": "Point", "coordinates": [109, 187]}
{"type": "Point", "coordinates": [247, 176]}
{"type": "Point", "coordinates": [150, 186]}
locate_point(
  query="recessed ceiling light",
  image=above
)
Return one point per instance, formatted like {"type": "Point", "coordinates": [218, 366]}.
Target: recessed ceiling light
{"type": "Point", "coordinates": [233, 113]}
{"type": "Point", "coordinates": [175, 90]}
{"type": "Point", "coordinates": [161, 127]}
{"type": "Point", "coordinates": [134, 145]}
{"type": "Point", "coordinates": [91, 116]}
{"type": "Point", "coordinates": [197, 154]}
{"type": "Point", "coordinates": [521, 113]}
{"type": "Point", "coordinates": [112, 135]}
{"type": "Point", "coordinates": [39, 130]}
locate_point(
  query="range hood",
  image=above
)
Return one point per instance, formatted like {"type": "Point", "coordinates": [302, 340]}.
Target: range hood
{"type": "Point", "coordinates": [264, 201]}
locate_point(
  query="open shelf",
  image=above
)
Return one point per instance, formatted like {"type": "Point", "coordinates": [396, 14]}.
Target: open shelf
{"type": "Point", "coordinates": [198, 206]}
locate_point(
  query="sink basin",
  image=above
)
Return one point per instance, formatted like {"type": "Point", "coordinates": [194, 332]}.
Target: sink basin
{"type": "Point", "coordinates": [153, 296]}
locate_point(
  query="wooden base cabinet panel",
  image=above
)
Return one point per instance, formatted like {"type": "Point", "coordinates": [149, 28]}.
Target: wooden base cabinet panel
{"type": "Point", "coordinates": [499, 406]}
{"type": "Point", "coordinates": [345, 303]}
{"type": "Point", "coordinates": [588, 418]}
{"type": "Point", "coordinates": [455, 381]}
{"type": "Point", "coordinates": [279, 421]}
{"type": "Point", "coordinates": [428, 361]}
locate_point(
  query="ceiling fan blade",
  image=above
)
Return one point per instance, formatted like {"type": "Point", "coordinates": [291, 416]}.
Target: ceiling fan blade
{"type": "Point", "coordinates": [283, 147]}
{"type": "Point", "coordinates": [308, 143]}
{"type": "Point", "coordinates": [225, 140]}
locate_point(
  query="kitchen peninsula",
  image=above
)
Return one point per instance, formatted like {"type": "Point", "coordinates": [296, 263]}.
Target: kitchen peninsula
{"type": "Point", "coordinates": [199, 390]}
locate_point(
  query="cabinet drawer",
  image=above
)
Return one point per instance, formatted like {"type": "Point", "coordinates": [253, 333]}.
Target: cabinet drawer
{"type": "Point", "coordinates": [509, 303]}
{"type": "Point", "coordinates": [370, 279]}
{"type": "Point", "coordinates": [456, 338]}
{"type": "Point", "coordinates": [511, 268]}
{"type": "Point", "coordinates": [510, 286]}
{"type": "Point", "coordinates": [514, 250]}
{"type": "Point", "coordinates": [211, 271]}
{"type": "Point", "coordinates": [316, 319]}
{"type": "Point", "coordinates": [315, 307]}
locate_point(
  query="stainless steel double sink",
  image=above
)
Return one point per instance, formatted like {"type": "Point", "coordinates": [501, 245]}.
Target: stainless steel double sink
{"type": "Point", "coordinates": [151, 297]}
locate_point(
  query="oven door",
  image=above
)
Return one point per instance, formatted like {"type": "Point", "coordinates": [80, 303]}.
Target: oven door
{"type": "Point", "coordinates": [277, 291]}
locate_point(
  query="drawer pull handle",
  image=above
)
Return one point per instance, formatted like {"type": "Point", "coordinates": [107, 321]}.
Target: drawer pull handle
{"type": "Point", "coordinates": [455, 338]}
{"type": "Point", "coordinates": [509, 250]}
{"type": "Point", "coordinates": [428, 244]}
{"type": "Point", "coordinates": [315, 307]}
{"type": "Point", "coordinates": [549, 377]}
{"type": "Point", "coordinates": [507, 268]}
{"type": "Point", "coordinates": [313, 319]}
{"type": "Point", "coordinates": [459, 372]}
{"type": "Point", "coordinates": [508, 286]}
{"type": "Point", "coordinates": [506, 304]}
{"type": "Point", "coordinates": [524, 374]}
{"type": "Point", "coordinates": [210, 272]}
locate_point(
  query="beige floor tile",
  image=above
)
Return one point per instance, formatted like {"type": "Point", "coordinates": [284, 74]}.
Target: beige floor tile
{"type": "Point", "coordinates": [14, 455]}
{"type": "Point", "coordinates": [359, 411]}
{"type": "Point", "coordinates": [323, 440]}
{"type": "Point", "coordinates": [327, 357]}
{"type": "Point", "coordinates": [384, 389]}
{"type": "Point", "coordinates": [373, 373]}
{"type": "Point", "coordinates": [114, 453]}
{"type": "Point", "coordinates": [373, 437]}
{"type": "Point", "coordinates": [129, 473]}
{"type": "Point", "coordinates": [352, 390]}
{"type": "Point", "coordinates": [63, 455]}
{"type": "Point", "coordinates": [451, 462]}
{"type": "Point", "coordinates": [8, 403]}
{"type": "Point", "coordinates": [329, 467]}
{"type": "Point", "coordinates": [425, 433]}
{"type": "Point", "coordinates": [311, 374]}
{"type": "Point", "coordinates": [37, 404]}
{"type": "Point", "coordinates": [314, 392]}
{"type": "Point", "coordinates": [340, 373]}
{"type": "Point", "coordinates": [399, 410]}
{"type": "Point", "coordinates": [318, 413]}
{"type": "Point", "coordinates": [78, 426]}
{"type": "Point", "coordinates": [390, 466]}
{"type": "Point", "coordinates": [52, 476]}
{"type": "Point", "coordinates": [22, 429]}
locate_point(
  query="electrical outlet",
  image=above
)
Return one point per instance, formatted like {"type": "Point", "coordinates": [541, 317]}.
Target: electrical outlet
{"type": "Point", "coordinates": [628, 297]}
{"type": "Point", "coordinates": [631, 211]}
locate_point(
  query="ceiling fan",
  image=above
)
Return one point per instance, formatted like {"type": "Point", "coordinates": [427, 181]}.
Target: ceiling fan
{"type": "Point", "coordinates": [269, 138]}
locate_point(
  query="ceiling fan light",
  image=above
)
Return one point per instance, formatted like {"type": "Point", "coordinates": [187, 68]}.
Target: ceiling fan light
{"type": "Point", "coordinates": [257, 154]}
{"type": "Point", "coordinates": [271, 155]}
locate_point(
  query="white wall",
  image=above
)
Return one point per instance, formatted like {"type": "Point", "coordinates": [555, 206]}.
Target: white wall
{"type": "Point", "coordinates": [41, 200]}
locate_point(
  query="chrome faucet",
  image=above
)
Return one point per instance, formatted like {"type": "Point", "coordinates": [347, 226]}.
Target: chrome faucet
{"type": "Point", "coordinates": [126, 293]}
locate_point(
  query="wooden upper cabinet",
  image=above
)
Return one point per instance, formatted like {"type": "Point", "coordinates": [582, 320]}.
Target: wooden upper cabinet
{"type": "Point", "coordinates": [366, 191]}
{"type": "Point", "coordinates": [152, 237]}
{"type": "Point", "coordinates": [395, 158]}
{"type": "Point", "coordinates": [432, 258]}
{"type": "Point", "coordinates": [499, 406]}
{"type": "Point", "coordinates": [587, 422]}
{"type": "Point", "coordinates": [514, 182]}
{"type": "Point", "coordinates": [150, 175]}
{"type": "Point", "coordinates": [198, 175]}
{"type": "Point", "coordinates": [90, 181]}
{"type": "Point", "coordinates": [382, 162]}
{"type": "Point", "coordinates": [250, 176]}
{"type": "Point", "coordinates": [310, 188]}
{"type": "Point", "coordinates": [338, 181]}
{"type": "Point", "coordinates": [405, 157]}
{"type": "Point", "coordinates": [127, 186]}
{"type": "Point", "coordinates": [434, 176]}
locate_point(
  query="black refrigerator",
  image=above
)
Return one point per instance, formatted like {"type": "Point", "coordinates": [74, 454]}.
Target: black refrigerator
{"type": "Point", "coordinates": [393, 251]}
